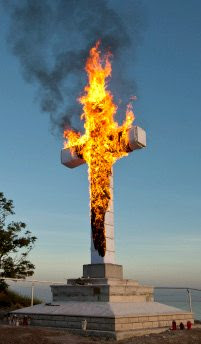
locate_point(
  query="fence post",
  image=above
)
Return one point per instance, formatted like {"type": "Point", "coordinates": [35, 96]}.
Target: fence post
{"type": "Point", "coordinates": [32, 293]}
{"type": "Point", "coordinates": [190, 300]}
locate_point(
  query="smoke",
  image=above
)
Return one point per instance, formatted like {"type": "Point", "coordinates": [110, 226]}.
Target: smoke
{"type": "Point", "coordinates": [52, 39]}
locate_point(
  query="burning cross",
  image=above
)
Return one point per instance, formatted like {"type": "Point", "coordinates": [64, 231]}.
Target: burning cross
{"type": "Point", "coordinates": [103, 142]}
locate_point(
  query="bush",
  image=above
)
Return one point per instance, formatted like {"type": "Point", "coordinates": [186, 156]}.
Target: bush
{"type": "Point", "coordinates": [11, 300]}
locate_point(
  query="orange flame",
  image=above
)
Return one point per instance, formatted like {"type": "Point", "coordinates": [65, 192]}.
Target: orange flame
{"type": "Point", "coordinates": [104, 140]}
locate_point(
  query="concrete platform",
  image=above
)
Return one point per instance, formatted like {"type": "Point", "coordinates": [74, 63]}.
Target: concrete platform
{"type": "Point", "coordinates": [106, 305]}
{"type": "Point", "coordinates": [115, 320]}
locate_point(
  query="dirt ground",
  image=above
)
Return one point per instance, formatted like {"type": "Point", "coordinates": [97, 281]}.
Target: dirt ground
{"type": "Point", "coordinates": [33, 335]}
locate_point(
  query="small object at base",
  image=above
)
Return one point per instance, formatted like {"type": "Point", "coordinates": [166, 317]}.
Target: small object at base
{"type": "Point", "coordinates": [181, 326]}
{"type": "Point", "coordinates": [84, 325]}
{"type": "Point", "coordinates": [174, 325]}
{"type": "Point", "coordinates": [25, 321]}
{"type": "Point", "coordinates": [189, 325]}
{"type": "Point", "coordinates": [14, 320]}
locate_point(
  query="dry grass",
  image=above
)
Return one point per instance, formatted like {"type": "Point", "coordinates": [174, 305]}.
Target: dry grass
{"type": "Point", "coordinates": [10, 300]}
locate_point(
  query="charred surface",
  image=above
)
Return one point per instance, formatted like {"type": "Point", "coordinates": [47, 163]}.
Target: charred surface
{"type": "Point", "coordinates": [99, 205]}
{"type": "Point", "coordinates": [98, 231]}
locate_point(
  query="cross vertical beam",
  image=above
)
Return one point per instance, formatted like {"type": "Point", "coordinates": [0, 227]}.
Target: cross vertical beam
{"type": "Point", "coordinates": [109, 233]}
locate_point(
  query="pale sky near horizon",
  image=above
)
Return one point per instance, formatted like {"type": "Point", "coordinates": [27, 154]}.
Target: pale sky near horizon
{"type": "Point", "coordinates": [157, 191]}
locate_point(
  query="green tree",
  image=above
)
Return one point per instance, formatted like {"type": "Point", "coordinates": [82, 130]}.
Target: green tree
{"type": "Point", "coordinates": [15, 244]}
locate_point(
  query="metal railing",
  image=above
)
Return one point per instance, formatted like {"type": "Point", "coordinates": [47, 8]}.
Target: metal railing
{"type": "Point", "coordinates": [188, 290]}
{"type": "Point", "coordinates": [33, 283]}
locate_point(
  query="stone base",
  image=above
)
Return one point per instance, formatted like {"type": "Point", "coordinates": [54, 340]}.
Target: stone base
{"type": "Point", "coordinates": [106, 305]}
{"type": "Point", "coordinates": [101, 290]}
{"type": "Point", "coordinates": [102, 283]}
{"type": "Point", "coordinates": [115, 320]}
{"type": "Point", "coordinates": [103, 271]}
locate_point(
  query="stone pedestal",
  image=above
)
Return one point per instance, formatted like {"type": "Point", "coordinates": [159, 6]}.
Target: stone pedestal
{"type": "Point", "coordinates": [103, 304]}
{"type": "Point", "coordinates": [102, 283]}
{"type": "Point", "coordinates": [103, 271]}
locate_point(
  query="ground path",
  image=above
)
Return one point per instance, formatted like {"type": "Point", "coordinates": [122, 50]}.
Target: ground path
{"type": "Point", "coordinates": [33, 335]}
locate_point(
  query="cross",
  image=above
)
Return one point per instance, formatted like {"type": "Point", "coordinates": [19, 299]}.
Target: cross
{"type": "Point", "coordinates": [136, 140]}
{"type": "Point", "coordinates": [103, 142]}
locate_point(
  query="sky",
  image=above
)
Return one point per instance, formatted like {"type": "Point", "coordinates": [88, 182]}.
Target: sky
{"type": "Point", "coordinates": [157, 190]}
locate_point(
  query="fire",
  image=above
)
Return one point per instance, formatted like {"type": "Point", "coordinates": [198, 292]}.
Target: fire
{"type": "Point", "coordinates": [103, 142]}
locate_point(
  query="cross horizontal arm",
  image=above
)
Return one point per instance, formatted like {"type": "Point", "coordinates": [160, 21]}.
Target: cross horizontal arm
{"type": "Point", "coordinates": [70, 159]}
{"type": "Point", "coordinates": [136, 140]}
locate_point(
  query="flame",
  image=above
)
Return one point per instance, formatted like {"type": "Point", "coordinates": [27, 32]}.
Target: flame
{"type": "Point", "coordinates": [103, 142]}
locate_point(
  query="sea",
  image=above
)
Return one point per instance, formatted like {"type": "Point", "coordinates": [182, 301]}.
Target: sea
{"type": "Point", "coordinates": [173, 297]}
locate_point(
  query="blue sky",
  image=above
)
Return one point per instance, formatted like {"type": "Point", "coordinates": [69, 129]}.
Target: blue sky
{"type": "Point", "coordinates": [157, 190]}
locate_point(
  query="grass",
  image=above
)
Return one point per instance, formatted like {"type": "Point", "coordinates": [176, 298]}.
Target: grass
{"type": "Point", "coordinates": [10, 300]}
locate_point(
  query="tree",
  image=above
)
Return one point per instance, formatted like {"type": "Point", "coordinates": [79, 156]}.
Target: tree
{"type": "Point", "coordinates": [15, 244]}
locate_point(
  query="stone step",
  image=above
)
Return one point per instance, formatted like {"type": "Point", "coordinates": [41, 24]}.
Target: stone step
{"type": "Point", "coordinates": [106, 319]}
{"type": "Point", "coordinates": [102, 293]}
{"type": "Point", "coordinates": [103, 281]}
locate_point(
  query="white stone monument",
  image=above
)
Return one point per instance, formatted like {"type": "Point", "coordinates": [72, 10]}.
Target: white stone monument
{"type": "Point", "coordinates": [101, 302]}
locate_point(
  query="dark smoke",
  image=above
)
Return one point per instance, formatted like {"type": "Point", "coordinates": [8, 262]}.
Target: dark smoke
{"type": "Point", "coordinates": [52, 39]}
